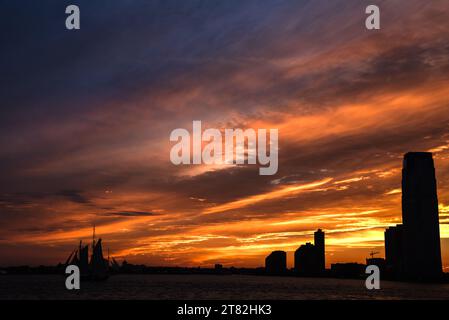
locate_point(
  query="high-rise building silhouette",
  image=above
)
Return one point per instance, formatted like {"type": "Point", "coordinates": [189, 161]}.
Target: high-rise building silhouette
{"type": "Point", "coordinates": [310, 258]}
{"type": "Point", "coordinates": [394, 250]}
{"type": "Point", "coordinates": [319, 245]}
{"type": "Point", "coordinates": [276, 262]}
{"type": "Point", "coordinates": [421, 234]}
{"type": "Point", "coordinates": [306, 259]}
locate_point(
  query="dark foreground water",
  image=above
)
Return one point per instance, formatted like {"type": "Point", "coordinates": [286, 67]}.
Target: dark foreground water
{"type": "Point", "coordinates": [212, 287]}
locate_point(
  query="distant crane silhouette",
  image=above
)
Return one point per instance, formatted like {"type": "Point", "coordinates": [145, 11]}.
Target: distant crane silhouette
{"type": "Point", "coordinates": [372, 253]}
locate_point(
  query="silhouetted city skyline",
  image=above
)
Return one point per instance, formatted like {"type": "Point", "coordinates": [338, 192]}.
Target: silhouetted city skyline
{"type": "Point", "coordinates": [412, 249]}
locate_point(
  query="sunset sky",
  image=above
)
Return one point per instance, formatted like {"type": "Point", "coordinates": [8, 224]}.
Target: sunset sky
{"type": "Point", "coordinates": [86, 116]}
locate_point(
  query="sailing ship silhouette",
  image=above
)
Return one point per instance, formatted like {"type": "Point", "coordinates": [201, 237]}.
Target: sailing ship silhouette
{"type": "Point", "coordinates": [98, 268]}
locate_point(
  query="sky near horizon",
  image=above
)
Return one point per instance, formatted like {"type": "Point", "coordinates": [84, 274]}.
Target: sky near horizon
{"type": "Point", "coordinates": [86, 118]}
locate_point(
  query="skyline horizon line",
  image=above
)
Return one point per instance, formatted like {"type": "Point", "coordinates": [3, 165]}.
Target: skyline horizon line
{"type": "Point", "coordinates": [125, 258]}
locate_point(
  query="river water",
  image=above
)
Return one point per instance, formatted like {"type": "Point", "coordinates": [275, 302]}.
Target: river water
{"type": "Point", "coordinates": [229, 287]}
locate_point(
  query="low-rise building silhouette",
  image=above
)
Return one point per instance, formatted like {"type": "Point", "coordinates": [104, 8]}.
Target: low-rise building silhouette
{"type": "Point", "coordinates": [276, 262]}
{"type": "Point", "coordinates": [348, 270]}
{"type": "Point", "coordinates": [380, 262]}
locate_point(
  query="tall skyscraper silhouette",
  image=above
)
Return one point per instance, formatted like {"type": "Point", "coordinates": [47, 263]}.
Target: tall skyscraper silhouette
{"type": "Point", "coordinates": [421, 234]}
{"type": "Point", "coordinates": [319, 245]}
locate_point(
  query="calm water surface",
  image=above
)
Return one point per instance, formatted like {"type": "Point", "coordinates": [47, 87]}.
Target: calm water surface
{"type": "Point", "coordinates": [144, 287]}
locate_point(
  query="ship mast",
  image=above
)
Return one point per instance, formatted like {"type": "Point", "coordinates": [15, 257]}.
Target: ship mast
{"type": "Point", "coordinates": [93, 240]}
